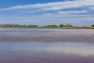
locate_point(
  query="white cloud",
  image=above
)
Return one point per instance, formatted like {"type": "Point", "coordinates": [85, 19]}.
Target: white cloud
{"type": "Point", "coordinates": [92, 8]}
{"type": "Point", "coordinates": [48, 19]}
{"type": "Point", "coordinates": [69, 12]}
{"type": "Point", "coordinates": [35, 13]}
{"type": "Point", "coordinates": [54, 5]}
{"type": "Point", "coordinates": [48, 14]}
{"type": "Point", "coordinates": [59, 16]}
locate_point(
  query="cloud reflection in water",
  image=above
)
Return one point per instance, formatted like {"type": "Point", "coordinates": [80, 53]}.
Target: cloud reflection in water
{"type": "Point", "coordinates": [47, 52]}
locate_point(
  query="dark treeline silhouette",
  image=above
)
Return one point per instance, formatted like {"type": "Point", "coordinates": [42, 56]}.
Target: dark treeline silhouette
{"type": "Point", "coordinates": [93, 25]}
{"type": "Point", "coordinates": [48, 26]}
{"type": "Point", "coordinates": [33, 26]}
{"type": "Point", "coordinates": [61, 25]}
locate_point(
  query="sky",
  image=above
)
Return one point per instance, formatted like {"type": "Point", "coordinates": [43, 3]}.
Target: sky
{"type": "Point", "coordinates": [47, 12]}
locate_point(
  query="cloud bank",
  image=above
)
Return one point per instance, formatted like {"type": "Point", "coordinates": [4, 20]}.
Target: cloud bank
{"type": "Point", "coordinates": [53, 5]}
{"type": "Point", "coordinates": [65, 12]}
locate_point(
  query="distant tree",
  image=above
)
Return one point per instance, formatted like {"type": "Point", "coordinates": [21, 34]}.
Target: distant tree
{"type": "Point", "coordinates": [54, 26]}
{"type": "Point", "coordinates": [68, 25]}
{"type": "Point", "coordinates": [48, 25]}
{"type": "Point", "coordinates": [44, 26]}
{"type": "Point", "coordinates": [65, 26]}
{"type": "Point", "coordinates": [93, 25]}
{"type": "Point", "coordinates": [35, 25]}
{"type": "Point", "coordinates": [61, 25]}
{"type": "Point", "coordinates": [30, 25]}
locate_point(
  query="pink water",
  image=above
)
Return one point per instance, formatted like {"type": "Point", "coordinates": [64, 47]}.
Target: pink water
{"type": "Point", "coordinates": [46, 46]}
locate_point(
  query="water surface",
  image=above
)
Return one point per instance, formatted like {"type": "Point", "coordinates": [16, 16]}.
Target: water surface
{"type": "Point", "coordinates": [30, 45]}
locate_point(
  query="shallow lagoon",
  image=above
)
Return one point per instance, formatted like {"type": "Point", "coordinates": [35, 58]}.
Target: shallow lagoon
{"type": "Point", "coordinates": [22, 45]}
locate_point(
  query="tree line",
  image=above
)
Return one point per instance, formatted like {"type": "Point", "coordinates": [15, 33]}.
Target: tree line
{"type": "Point", "coordinates": [33, 26]}
{"type": "Point", "coordinates": [61, 25]}
{"type": "Point", "coordinates": [48, 26]}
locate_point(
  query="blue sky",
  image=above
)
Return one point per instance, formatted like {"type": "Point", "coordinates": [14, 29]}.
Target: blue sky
{"type": "Point", "coordinates": [44, 12]}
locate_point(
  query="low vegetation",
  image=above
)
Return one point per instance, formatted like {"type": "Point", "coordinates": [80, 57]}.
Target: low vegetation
{"type": "Point", "coordinates": [19, 26]}
{"type": "Point", "coordinates": [48, 26]}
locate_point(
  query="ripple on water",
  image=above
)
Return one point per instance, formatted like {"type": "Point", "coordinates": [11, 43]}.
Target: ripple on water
{"type": "Point", "coordinates": [49, 35]}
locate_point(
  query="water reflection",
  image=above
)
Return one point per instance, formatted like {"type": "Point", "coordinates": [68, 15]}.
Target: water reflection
{"type": "Point", "coordinates": [22, 45]}
{"type": "Point", "coordinates": [40, 52]}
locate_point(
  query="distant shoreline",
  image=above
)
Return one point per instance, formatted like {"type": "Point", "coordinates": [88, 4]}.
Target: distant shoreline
{"type": "Point", "coordinates": [54, 27]}
{"type": "Point", "coordinates": [67, 26]}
